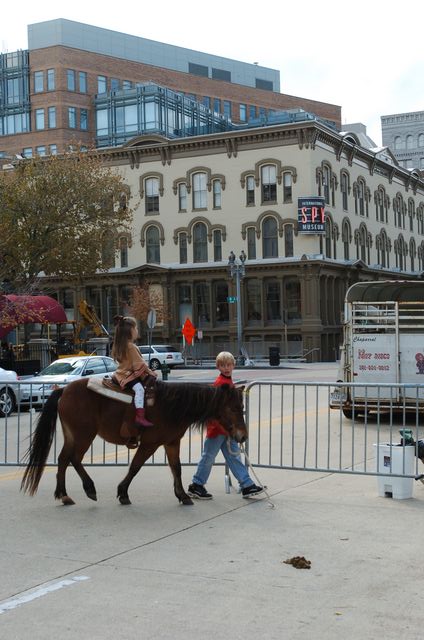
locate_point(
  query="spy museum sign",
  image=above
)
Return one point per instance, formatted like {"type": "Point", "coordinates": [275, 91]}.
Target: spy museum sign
{"type": "Point", "coordinates": [311, 215]}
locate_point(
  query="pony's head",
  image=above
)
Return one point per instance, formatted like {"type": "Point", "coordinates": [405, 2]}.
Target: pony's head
{"type": "Point", "coordinates": [231, 412]}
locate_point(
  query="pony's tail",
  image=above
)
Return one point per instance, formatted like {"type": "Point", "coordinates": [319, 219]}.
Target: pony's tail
{"type": "Point", "coordinates": [36, 456]}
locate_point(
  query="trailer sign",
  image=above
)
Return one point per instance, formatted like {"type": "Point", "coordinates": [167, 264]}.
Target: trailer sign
{"type": "Point", "coordinates": [311, 215]}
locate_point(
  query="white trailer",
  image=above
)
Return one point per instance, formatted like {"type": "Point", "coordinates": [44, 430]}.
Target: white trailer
{"type": "Point", "coordinates": [384, 344]}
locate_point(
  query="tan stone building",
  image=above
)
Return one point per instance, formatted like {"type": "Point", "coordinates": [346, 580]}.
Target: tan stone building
{"type": "Point", "coordinates": [200, 198]}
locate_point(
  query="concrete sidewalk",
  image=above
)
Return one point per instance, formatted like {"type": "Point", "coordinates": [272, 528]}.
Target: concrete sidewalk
{"type": "Point", "coordinates": [215, 570]}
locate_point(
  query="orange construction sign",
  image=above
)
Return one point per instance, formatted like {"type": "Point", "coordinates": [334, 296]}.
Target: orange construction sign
{"type": "Point", "coordinates": [188, 331]}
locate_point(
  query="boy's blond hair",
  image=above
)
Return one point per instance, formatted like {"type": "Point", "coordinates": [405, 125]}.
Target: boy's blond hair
{"type": "Point", "coordinates": [225, 357]}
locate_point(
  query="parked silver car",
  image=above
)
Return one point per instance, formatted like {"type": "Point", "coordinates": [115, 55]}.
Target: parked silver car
{"type": "Point", "coordinates": [9, 392]}
{"type": "Point", "coordinates": [34, 391]}
{"type": "Point", "coordinates": [159, 354]}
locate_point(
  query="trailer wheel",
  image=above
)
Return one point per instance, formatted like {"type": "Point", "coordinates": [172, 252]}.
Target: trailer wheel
{"type": "Point", "coordinates": [348, 413]}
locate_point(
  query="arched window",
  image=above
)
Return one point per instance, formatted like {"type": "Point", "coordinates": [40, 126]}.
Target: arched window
{"type": "Point", "coordinates": [328, 234]}
{"type": "Point", "coordinates": [288, 240]}
{"type": "Point", "coordinates": [182, 244]}
{"type": "Point", "coordinates": [200, 195]}
{"type": "Point", "coordinates": [152, 245]}
{"type": "Point", "coordinates": [217, 245]}
{"type": "Point", "coordinates": [217, 194]}
{"type": "Point", "coordinates": [182, 197]}
{"type": "Point", "coordinates": [326, 176]}
{"type": "Point", "coordinates": [108, 250]}
{"type": "Point", "coordinates": [251, 243]}
{"type": "Point", "coordinates": [269, 183]}
{"type": "Point", "coordinates": [346, 238]}
{"type": "Point", "coordinates": [287, 187]}
{"type": "Point", "coordinates": [421, 140]}
{"type": "Point", "coordinates": [250, 190]}
{"type": "Point", "coordinates": [123, 251]}
{"type": "Point", "coordinates": [409, 142]}
{"type": "Point", "coordinates": [269, 238]}
{"type": "Point", "coordinates": [152, 195]}
{"type": "Point", "coordinates": [200, 243]}
{"type": "Point", "coordinates": [412, 253]}
{"type": "Point", "coordinates": [345, 190]}
{"type": "Point", "coordinates": [398, 143]}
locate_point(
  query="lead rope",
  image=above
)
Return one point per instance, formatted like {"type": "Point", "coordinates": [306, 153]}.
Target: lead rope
{"type": "Point", "coordinates": [249, 464]}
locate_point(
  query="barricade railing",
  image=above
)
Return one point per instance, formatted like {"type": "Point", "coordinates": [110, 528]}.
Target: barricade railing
{"type": "Point", "coordinates": [291, 426]}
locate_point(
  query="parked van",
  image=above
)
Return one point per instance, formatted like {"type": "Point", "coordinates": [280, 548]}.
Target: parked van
{"type": "Point", "coordinates": [383, 343]}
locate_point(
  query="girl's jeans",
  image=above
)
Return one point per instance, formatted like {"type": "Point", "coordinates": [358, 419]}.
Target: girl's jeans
{"type": "Point", "coordinates": [210, 451]}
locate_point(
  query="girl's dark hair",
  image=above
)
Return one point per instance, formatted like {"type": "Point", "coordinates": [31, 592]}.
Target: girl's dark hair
{"type": "Point", "coordinates": [123, 336]}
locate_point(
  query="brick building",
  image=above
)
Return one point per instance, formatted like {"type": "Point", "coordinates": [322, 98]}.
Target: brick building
{"type": "Point", "coordinates": [48, 92]}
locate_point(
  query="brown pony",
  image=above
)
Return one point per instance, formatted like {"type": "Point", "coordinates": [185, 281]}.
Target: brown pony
{"type": "Point", "coordinates": [85, 414]}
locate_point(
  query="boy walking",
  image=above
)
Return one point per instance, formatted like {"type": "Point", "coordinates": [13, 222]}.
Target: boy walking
{"type": "Point", "coordinates": [217, 439]}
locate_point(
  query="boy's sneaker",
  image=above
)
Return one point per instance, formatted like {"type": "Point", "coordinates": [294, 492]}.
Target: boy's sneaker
{"type": "Point", "coordinates": [251, 491]}
{"type": "Point", "coordinates": [199, 491]}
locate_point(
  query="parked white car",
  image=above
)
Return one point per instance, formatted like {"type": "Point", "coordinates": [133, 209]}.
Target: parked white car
{"type": "Point", "coordinates": [36, 390]}
{"type": "Point", "coordinates": [9, 393]}
{"type": "Point", "coordinates": [159, 354]}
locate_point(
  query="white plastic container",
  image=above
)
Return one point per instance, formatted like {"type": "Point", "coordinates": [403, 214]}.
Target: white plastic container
{"type": "Point", "coordinates": [394, 458]}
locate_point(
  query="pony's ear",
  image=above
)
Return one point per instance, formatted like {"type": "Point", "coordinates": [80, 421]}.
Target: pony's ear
{"type": "Point", "coordinates": [240, 387]}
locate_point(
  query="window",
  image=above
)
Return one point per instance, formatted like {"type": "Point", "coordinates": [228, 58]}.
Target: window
{"type": "Point", "coordinates": [182, 197]}
{"type": "Point", "coordinates": [198, 69]}
{"type": "Point", "coordinates": [123, 251]}
{"type": "Point", "coordinates": [152, 245]}
{"type": "Point", "coordinates": [288, 240]}
{"type": "Point", "coordinates": [101, 84]}
{"type": "Point", "coordinates": [269, 183]}
{"type": "Point", "coordinates": [53, 149]}
{"type": "Point", "coordinates": [267, 85]}
{"type": "Point", "coordinates": [345, 191]}
{"type": "Point", "coordinates": [39, 119]}
{"type": "Point", "coordinates": [326, 177]}
{"type": "Point", "coordinates": [182, 243]}
{"type": "Point", "coordinates": [250, 190]}
{"type": "Point", "coordinates": [84, 119]}
{"type": "Point", "coordinates": [199, 191]}
{"type": "Point", "coordinates": [251, 243]}
{"type": "Point", "coordinates": [227, 109]}
{"type": "Point", "coordinates": [243, 113]}
{"type": "Point", "coordinates": [221, 74]}
{"type": "Point", "coordinates": [51, 114]}
{"type": "Point", "coordinates": [27, 152]}
{"type": "Point", "coordinates": [409, 142]}
{"type": "Point", "coordinates": [72, 117]}
{"type": "Point", "coordinates": [346, 237]}
{"type": "Point", "coordinates": [114, 84]}
{"type": "Point", "coordinates": [398, 143]}
{"type": "Point", "coordinates": [201, 301]}
{"type": "Point", "coordinates": [70, 79]}
{"type": "Point", "coordinates": [287, 187]}
{"type": "Point", "coordinates": [82, 77]}
{"type": "Point", "coordinates": [51, 80]}
{"type": "Point", "coordinates": [253, 300]}
{"type": "Point", "coordinates": [217, 194]}
{"type": "Point", "coordinates": [206, 102]}
{"type": "Point", "coordinates": [38, 81]}
{"type": "Point", "coordinates": [217, 245]}
{"type": "Point", "coordinates": [108, 250]}
{"type": "Point", "coordinates": [152, 195]}
{"type": "Point", "coordinates": [269, 238]}
{"type": "Point", "coordinates": [126, 84]}
{"type": "Point", "coordinates": [292, 300]}
{"type": "Point", "coordinates": [40, 151]}
{"type": "Point", "coordinates": [252, 112]}
{"type": "Point", "coordinates": [221, 302]}
{"type": "Point", "coordinates": [272, 300]}
{"type": "Point", "coordinates": [200, 246]}
{"type": "Point", "coordinates": [217, 105]}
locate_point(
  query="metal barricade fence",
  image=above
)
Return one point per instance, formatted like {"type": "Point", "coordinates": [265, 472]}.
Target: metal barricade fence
{"type": "Point", "coordinates": [291, 426]}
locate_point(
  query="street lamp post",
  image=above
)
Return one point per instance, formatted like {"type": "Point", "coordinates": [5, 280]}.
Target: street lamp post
{"type": "Point", "coordinates": [237, 271]}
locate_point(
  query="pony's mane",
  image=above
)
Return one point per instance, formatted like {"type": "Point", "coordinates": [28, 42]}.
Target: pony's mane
{"type": "Point", "coordinates": [188, 402]}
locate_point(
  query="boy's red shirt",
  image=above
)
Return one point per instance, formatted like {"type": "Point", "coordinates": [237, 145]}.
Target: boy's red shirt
{"type": "Point", "coordinates": [214, 428]}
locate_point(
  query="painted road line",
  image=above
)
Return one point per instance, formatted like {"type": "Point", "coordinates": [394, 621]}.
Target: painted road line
{"type": "Point", "coordinates": [33, 594]}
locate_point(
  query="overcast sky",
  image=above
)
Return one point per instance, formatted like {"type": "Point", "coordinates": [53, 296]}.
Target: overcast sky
{"type": "Point", "coordinates": [365, 56]}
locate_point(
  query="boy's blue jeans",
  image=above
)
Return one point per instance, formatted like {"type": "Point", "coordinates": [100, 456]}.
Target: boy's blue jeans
{"type": "Point", "coordinates": [210, 451]}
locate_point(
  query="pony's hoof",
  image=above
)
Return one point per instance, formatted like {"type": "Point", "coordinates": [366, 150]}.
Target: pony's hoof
{"type": "Point", "coordinates": [187, 501]}
{"type": "Point", "coordinates": [124, 500]}
{"type": "Point", "coordinates": [92, 496]}
{"type": "Point", "coordinates": [66, 501]}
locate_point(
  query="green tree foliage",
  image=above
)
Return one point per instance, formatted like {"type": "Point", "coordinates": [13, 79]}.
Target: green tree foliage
{"type": "Point", "coordinates": [55, 214]}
